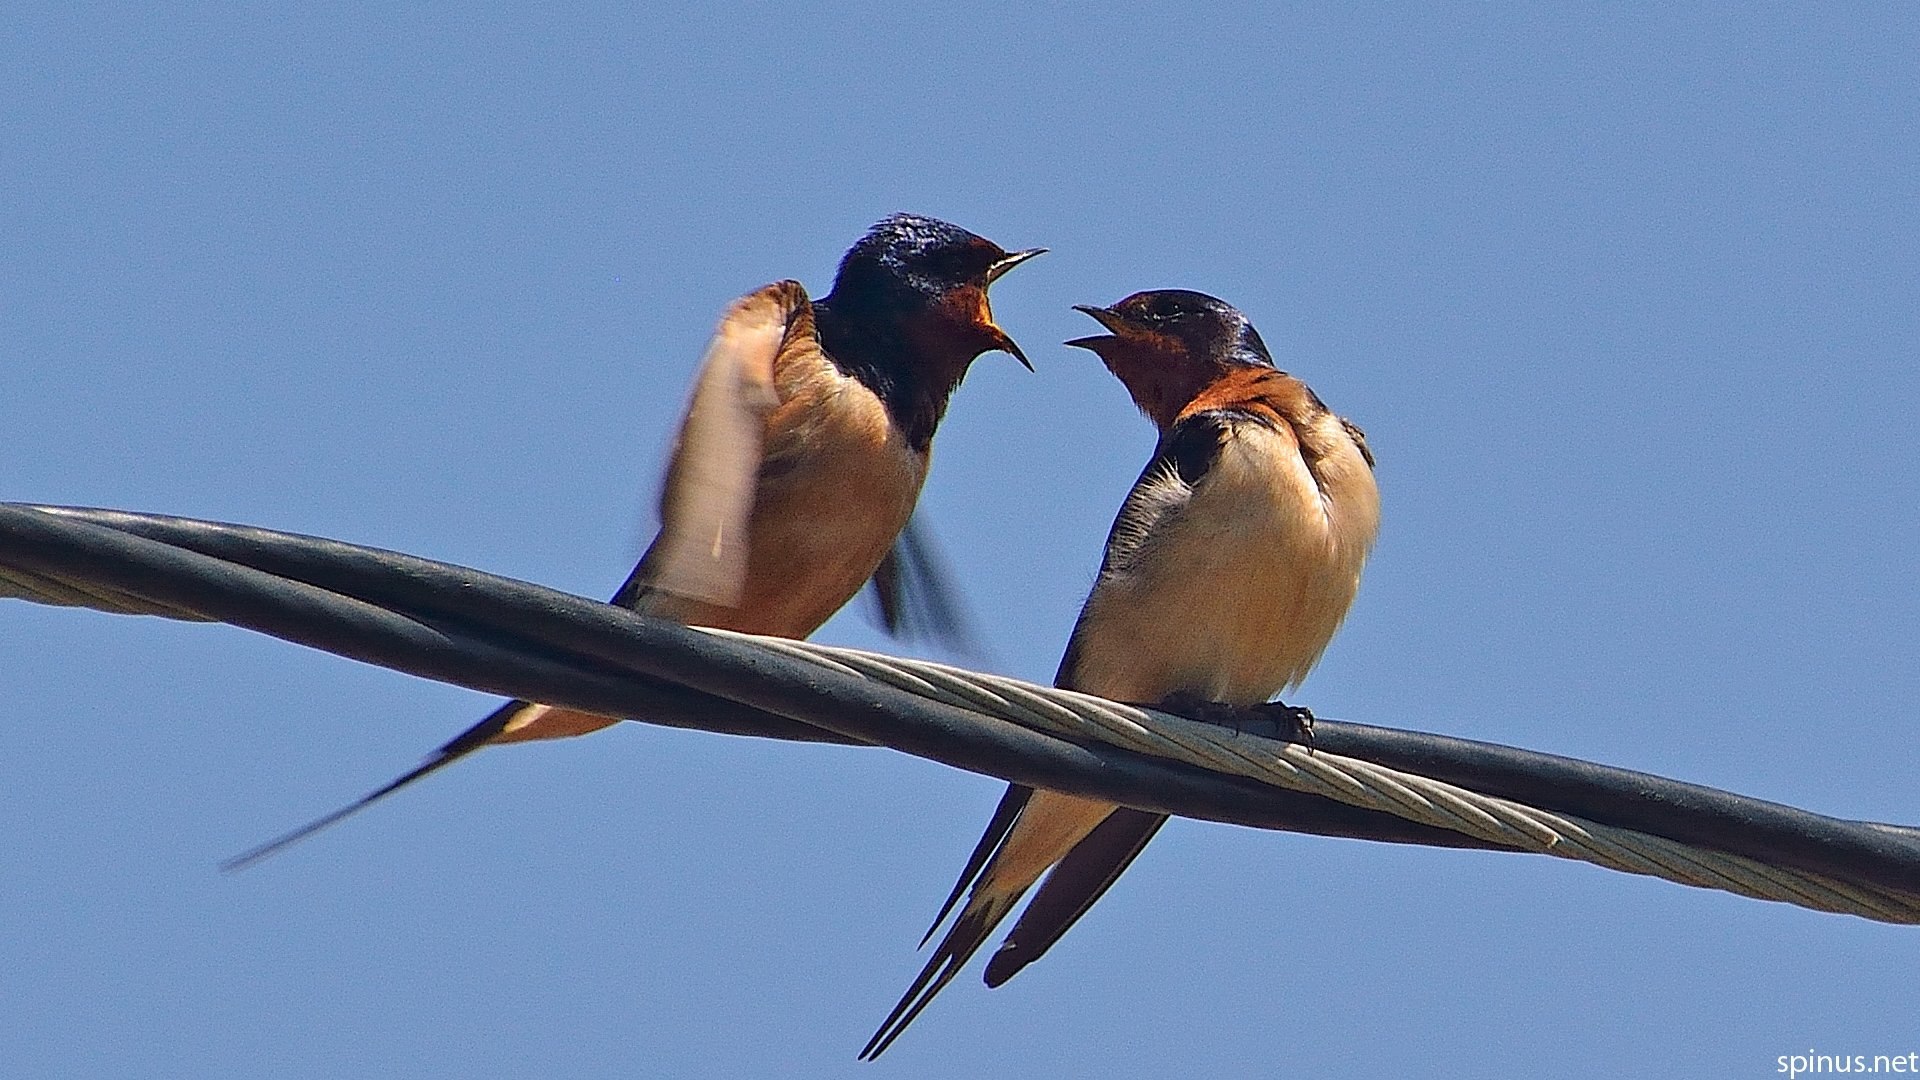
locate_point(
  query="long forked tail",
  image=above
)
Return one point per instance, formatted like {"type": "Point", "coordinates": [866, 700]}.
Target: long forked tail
{"type": "Point", "coordinates": [1071, 888]}
{"type": "Point", "coordinates": [1004, 816]}
{"type": "Point", "coordinates": [969, 932]}
{"type": "Point", "coordinates": [1030, 831]}
{"type": "Point", "coordinates": [465, 743]}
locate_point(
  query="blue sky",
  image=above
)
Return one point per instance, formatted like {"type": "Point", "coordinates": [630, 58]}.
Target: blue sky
{"type": "Point", "coordinates": [1624, 297]}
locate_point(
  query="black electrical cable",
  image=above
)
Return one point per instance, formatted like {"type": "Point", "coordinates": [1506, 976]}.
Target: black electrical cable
{"type": "Point", "coordinates": [1690, 813]}
{"type": "Point", "coordinates": [412, 636]}
{"type": "Point", "coordinates": [460, 625]}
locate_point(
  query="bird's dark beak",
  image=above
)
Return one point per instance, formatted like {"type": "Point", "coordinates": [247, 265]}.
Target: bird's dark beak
{"type": "Point", "coordinates": [1107, 318]}
{"type": "Point", "coordinates": [994, 272]}
{"type": "Point", "coordinates": [1006, 345]}
{"type": "Point", "coordinates": [1008, 262]}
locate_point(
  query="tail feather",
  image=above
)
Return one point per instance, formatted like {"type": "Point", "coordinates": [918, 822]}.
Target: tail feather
{"type": "Point", "coordinates": [1072, 887]}
{"type": "Point", "coordinates": [1030, 831]}
{"type": "Point", "coordinates": [1004, 816]}
{"type": "Point", "coordinates": [969, 932]}
{"type": "Point", "coordinates": [465, 743]}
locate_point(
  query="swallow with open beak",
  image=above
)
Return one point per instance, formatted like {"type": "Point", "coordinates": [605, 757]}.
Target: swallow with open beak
{"type": "Point", "coordinates": [799, 460]}
{"type": "Point", "coordinates": [1231, 564]}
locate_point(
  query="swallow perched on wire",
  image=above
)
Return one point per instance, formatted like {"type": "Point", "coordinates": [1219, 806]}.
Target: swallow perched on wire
{"type": "Point", "coordinates": [1231, 564]}
{"type": "Point", "coordinates": [798, 462]}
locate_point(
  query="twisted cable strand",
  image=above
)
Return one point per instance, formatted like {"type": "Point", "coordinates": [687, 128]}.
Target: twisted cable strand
{"type": "Point", "coordinates": [1350, 780]}
{"type": "Point", "coordinates": [1293, 767]}
{"type": "Point", "coordinates": [26, 585]}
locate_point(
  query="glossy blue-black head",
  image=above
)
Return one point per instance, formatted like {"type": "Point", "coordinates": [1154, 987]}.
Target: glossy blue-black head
{"type": "Point", "coordinates": [925, 256]}
{"type": "Point", "coordinates": [1169, 345]}
{"type": "Point", "coordinates": [931, 277]}
{"type": "Point", "coordinates": [1180, 324]}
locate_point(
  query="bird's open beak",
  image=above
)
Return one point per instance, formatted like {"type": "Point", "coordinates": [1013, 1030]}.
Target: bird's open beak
{"type": "Point", "coordinates": [1000, 339]}
{"type": "Point", "coordinates": [1008, 262]}
{"type": "Point", "coordinates": [1107, 318]}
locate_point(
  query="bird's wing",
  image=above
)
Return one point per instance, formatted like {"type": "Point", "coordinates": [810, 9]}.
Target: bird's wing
{"type": "Point", "coordinates": [1072, 887]}
{"type": "Point", "coordinates": [1079, 879]}
{"type": "Point", "coordinates": [702, 546]}
{"type": "Point", "coordinates": [707, 500]}
{"type": "Point", "coordinates": [914, 595]}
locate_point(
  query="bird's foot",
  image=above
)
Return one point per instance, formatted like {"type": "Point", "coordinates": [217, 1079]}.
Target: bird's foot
{"type": "Point", "coordinates": [1273, 719]}
{"type": "Point", "coordinates": [1289, 723]}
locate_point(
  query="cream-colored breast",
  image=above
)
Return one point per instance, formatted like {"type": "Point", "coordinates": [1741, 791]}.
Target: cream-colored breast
{"type": "Point", "coordinates": [1237, 584]}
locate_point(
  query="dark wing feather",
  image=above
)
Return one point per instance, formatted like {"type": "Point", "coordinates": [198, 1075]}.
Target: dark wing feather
{"type": "Point", "coordinates": [969, 931]}
{"type": "Point", "coordinates": [1191, 446]}
{"type": "Point", "coordinates": [1072, 887]}
{"type": "Point", "coordinates": [914, 595]}
{"type": "Point", "coordinates": [1004, 815]}
{"type": "Point", "coordinates": [1185, 455]}
{"type": "Point", "coordinates": [1359, 440]}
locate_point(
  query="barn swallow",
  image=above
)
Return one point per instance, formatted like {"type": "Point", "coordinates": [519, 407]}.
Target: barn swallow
{"type": "Point", "coordinates": [798, 462]}
{"type": "Point", "coordinates": [1231, 564]}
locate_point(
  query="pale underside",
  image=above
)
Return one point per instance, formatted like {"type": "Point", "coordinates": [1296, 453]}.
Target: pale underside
{"type": "Point", "coordinates": [1290, 545]}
